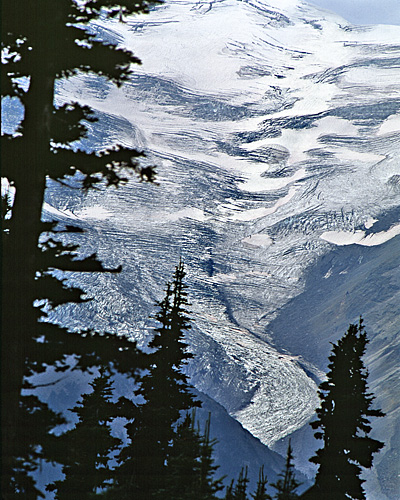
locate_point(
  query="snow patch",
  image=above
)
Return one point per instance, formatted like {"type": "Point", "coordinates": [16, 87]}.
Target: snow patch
{"type": "Point", "coordinates": [257, 213]}
{"type": "Point", "coordinates": [258, 240]}
{"type": "Point", "coordinates": [59, 213]}
{"type": "Point", "coordinates": [376, 77]}
{"type": "Point", "coordinates": [95, 212]}
{"type": "Point", "coordinates": [300, 141]}
{"type": "Point", "coordinates": [346, 154]}
{"type": "Point", "coordinates": [256, 183]}
{"type": "Point", "coordinates": [370, 222]}
{"type": "Point", "coordinates": [190, 213]}
{"type": "Point", "coordinates": [391, 124]}
{"type": "Point", "coordinates": [343, 238]}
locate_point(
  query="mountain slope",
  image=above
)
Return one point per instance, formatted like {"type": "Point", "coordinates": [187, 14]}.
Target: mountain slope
{"type": "Point", "coordinates": [275, 128]}
{"type": "Point", "coordinates": [346, 282]}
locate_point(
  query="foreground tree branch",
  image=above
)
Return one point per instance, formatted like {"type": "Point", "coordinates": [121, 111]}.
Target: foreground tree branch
{"type": "Point", "coordinates": [43, 41]}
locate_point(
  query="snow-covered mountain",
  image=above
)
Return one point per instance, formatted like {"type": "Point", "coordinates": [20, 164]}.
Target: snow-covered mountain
{"type": "Point", "coordinates": [275, 128]}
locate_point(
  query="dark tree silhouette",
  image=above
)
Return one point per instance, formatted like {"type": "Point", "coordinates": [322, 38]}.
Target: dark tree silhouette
{"type": "Point", "coordinates": [343, 422]}
{"type": "Point", "coordinates": [261, 491]}
{"type": "Point", "coordinates": [209, 486]}
{"type": "Point", "coordinates": [182, 480]}
{"type": "Point", "coordinates": [33, 414]}
{"type": "Point", "coordinates": [166, 393]}
{"type": "Point", "coordinates": [229, 491]}
{"type": "Point", "coordinates": [287, 485]}
{"type": "Point", "coordinates": [42, 42]}
{"type": "Point", "coordinates": [85, 449]}
{"type": "Point", "coordinates": [190, 469]}
{"type": "Point", "coordinates": [240, 489]}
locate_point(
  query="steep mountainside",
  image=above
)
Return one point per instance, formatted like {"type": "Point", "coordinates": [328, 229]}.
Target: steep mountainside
{"type": "Point", "coordinates": [275, 127]}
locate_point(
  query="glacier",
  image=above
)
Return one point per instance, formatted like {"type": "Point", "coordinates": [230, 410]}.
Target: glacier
{"type": "Point", "coordinates": [275, 128]}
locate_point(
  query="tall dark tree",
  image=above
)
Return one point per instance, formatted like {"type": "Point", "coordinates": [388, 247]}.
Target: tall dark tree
{"type": "Point", "coordinates": [33, 415]}
{"type": "Point", "coordinates": [42, 42]}
{"type": "Point", "coordinates": [343, 422]}
{"type": "Point", "coordinates": [229, 491]}
{"type": "Point", "coordinates": [190, 468]}
{"type": "Point", "coordinates": [87, 447]}
{"type": "Point", "coordinates": [261, 491]}
{"type": "Point", "coordinates": [240, 489]}
{"type": "Point", "coordinates": [287, 485]}
{"type": "Point", "coordinates": [182, 480]}
{"type": "Point", "coordinates": [209, 486]}
{"type": "Point", "coordinates": [166, 393]}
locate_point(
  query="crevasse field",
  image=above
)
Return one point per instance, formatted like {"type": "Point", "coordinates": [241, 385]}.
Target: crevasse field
{"type": "Point", "coordinates": [276, 130]}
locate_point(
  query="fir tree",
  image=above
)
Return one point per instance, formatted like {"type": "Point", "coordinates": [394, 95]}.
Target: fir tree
{"type": "Point", "coordinates": [33, 414]}
{"type": "Point", "coordinates": [166, 392]}
{"type": "Point", "coordinates": [87, 447]}
{"type": "Point", "coordinates": [229, 491]}
{"type": "Point", "coordinates": [240, 490]}
{"type": "Point", "coordinates": [343, 422]}
{"type": "Point", "coordinates": [184, 468]}
{"type": "Point", "coordinates": [42, 42]}
{"type": "Point", "coordinates": [261, 491]}
{"type": "Point", "coordinates": [190, 468]}
{"type": "Point", "coordinates": [209, 486]}
{"type": "Point", "coordinates": [286, 486]}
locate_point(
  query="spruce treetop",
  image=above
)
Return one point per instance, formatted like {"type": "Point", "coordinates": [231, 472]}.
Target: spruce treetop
{"type": "Point", "coordinates": [343, 421]}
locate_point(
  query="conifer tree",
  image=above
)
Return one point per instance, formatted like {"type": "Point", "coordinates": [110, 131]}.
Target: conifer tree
{"type": "Point", "coordinates": [240, 490]}
{"type": "Point", "coordinates": [209, 486]}
{"type": "Point", "coordinates": [166, 393]}
{"type": "Point", "coordinates": [343, 422]}
{"type": "Point", "coordinates": [261, 491]}
{"type": "Point", "coordinates": [182, 479]}
{"type": "Point", "coordinates": [286, 486]}
{"type": "Point", "coordinates": [190, 468]}
{"type": "Point", "coordinates": [229, 491]}
{"type": "Point", "coordinates": [87, 447]}
{"type": "Point", "coordinates": [43, 42]}
{"type": "Point", "coordinates": [33, 414]}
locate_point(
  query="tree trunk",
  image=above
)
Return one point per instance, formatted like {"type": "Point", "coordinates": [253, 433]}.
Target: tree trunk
{"type": "Point", "coordinates": [20, 264]}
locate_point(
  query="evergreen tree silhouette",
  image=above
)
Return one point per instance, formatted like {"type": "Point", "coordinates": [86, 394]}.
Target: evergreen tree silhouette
{"type": "Point", "coordinates": [190, 469]}
{"type": "Point", "coordinates": [343, 422]}
{"type": "Point", "coordinates": [261, 491]}
{"type": "Point", "coordinates": [240, 489]}
{"type": "Point", "coordinates": [229, 491]}
{"type": "Point", "coordinates": [33, 413]}
{"type": "Point", "coordinates": [209, 486]}
{"type": "Point", "coordinates": [184, 469]}
{"type": "Point", "coordinates": [287, 485]}
{"type": "Point", "coordinates": [166, 392]}
{"type": "Point", "coordinates": [88, 445]}
{"type": "Point", "coordinates": [43, 42]}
